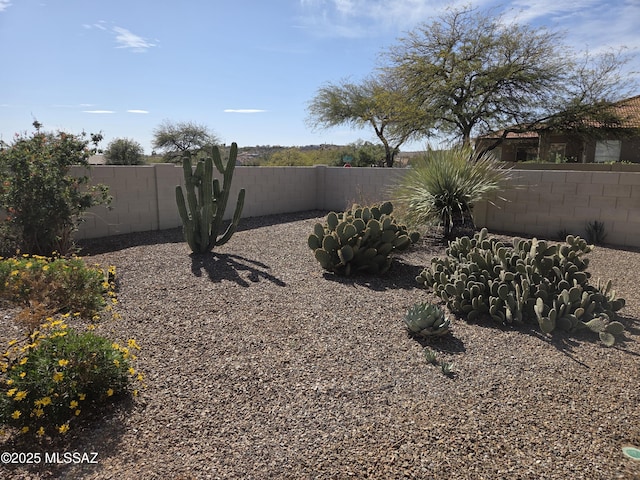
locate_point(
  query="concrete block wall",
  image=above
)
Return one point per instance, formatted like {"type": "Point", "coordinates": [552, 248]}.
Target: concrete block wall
{"type": "Point", "coordinates": [543, 202]}
{"type": "Point", "coordinates": [539, 202]}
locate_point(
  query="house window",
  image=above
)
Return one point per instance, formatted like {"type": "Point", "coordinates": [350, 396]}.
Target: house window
{"type": "Point", "coordinates": [526, 154]}
{"type": "Point", "coordinates": [608, 151]}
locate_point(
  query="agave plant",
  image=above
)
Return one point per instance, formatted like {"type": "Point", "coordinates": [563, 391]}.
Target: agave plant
{"type": "Point", "coordinates": [426, 320]}
{"type": "Point", "coordinates": [444, 185]}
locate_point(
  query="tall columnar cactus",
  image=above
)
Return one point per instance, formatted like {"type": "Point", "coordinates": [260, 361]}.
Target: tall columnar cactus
{"type": "Point", "coordinates": [202, 220]}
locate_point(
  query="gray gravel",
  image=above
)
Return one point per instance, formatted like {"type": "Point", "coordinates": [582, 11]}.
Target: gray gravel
{"type": "Point", "coordinates": [261, 365]}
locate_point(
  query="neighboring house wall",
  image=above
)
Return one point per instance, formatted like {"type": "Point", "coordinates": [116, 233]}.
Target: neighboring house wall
{"type": "Point", "coordinates": [543, 202]}
{"type": "Point", "coordinates": [567, 147]}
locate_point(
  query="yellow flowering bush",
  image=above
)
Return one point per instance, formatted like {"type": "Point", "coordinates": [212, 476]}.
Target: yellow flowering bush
{"type": "Point", "coordinates": [60, 284]}
{"type": "Point", "coordinates": [57, 376]}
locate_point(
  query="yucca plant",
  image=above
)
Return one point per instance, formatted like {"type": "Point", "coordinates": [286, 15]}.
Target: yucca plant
{"type": "Point", "coordinates": [444, 185]}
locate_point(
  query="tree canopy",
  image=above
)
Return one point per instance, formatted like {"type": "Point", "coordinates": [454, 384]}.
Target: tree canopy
{"type": "Point", "coordinates": [177, 139]}
{"type": "Point", "coordinates": [124, 151]}
{"type": "Point", "coordinates": [474, 73]}
{"type": "Point", "coordinates": [380, 102]}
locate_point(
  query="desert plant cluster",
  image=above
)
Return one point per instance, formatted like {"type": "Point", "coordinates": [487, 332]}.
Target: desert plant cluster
{"type": "Point", "coordinates": [59, 373]}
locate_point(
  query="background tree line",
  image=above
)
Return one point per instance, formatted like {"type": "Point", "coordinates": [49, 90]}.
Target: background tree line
{"type": "Point", "coordinates": [471, 72]}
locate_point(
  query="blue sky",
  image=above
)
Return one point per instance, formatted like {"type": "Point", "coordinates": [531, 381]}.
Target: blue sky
{"type": "Point", "coordinates": [245, 68]}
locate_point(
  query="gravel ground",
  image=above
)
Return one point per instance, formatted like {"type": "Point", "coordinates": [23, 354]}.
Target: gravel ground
{"type": "Point", "coordinates": [261, 365]}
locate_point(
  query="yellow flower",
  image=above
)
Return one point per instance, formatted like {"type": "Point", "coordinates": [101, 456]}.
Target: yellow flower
{"type": "Point", "coordinates": [63, 428]}
{"type": "Point", "coordinates": [40, 431]}
{"type": "Point", "coordinates": [13, 342]}
{"type": "Point", "coordinates": [23, 374]}
{"type": "Point", "coordinates": [20, 395]}
{"type": "Point", "coordinates": [44, 401]}
{"type": "Point", "coordinates": [116, 362]}
{"type": "Point", "coordinates": [135, 392]}
{"type": "Point", "coordinates": [109, 392]}
{"type": "Point", "coordinates": [44, 269]}
{"type": "Point", "coordinates": [91, 327]}
{"type": "Point", "coordinates": [77, 412]}
{"type": "Point", "coordinates": [57, 377]}
{"type": "Point", "coordinates": [63, 363]}
{"type": "Point", "coordinates": [73, 404]}
{"type": "Point", "coordinates": [24, 429]}
{"type": "Point", "coordinates": [16, 414]}
{"type": "Point", "coordinates": [24, 360]}
{"type": "Point", "coordinates": [132, 371]}
{"type": "Point", "coordinates": [133, 344]}
{"type": "Point", "coordinates": [82, 396]}
{"type": "Point", "coordinates": [10, 381]}
{"type": "Point", "coordinates": [11, 392]}
{"type": "Point", "coordinates": [38, 412]}
{"type": "Point", "coordinates": [140, 377]}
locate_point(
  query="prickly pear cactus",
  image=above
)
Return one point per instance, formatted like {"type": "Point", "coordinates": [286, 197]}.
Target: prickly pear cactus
{"type": "Point", "coordinates": [360, 240]}
{"type": "Point", "coordinates": [530, 281]}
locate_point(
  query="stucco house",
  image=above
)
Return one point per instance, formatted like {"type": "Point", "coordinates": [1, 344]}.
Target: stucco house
{"type": "Point", "coordinates": [562, 146]}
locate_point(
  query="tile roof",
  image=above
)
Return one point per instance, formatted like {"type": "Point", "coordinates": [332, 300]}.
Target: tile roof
{"type": "Point", "coordinates": [628, 110]}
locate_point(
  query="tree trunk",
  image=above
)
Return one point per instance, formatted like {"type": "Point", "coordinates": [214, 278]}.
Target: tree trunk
{"type": "Point", "coordinates": [460, 225]}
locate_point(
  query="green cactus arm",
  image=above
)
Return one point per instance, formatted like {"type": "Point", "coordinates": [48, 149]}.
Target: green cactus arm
{"type": "Point", "coordinates": [187, 222]}
{"type": "Point", "coordinates": [223, 198]}
{"type": "Point", "coordinates": [234, 222]}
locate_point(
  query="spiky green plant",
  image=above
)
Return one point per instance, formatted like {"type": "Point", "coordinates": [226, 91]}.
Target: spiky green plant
{"type": "Point", "coordinates": [431, 356]}
{"type": "Point", "coordinates": [426, 320]}
{"type": "Point", "coordinates": [444, 185]}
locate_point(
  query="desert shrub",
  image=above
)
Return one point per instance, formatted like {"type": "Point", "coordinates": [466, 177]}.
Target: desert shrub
{"type": "Point", "coordinates": [124, 151]}
{"type": "Point", "coordinates": [530, 281]}
{"type": "Point", "coordinates": [57, 376]}
{"type": "Point", "coordinates": [444, 185]}
{"type": "Point", "coordinates": [360, 240]}
{"type": "Point", "coordinates": [59, 285]}
{"type": "Point", "coordinates": [43, 204]}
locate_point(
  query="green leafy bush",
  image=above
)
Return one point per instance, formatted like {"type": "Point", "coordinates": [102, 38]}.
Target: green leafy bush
{"type": "Point", "coordinates": [359, 240]}
{"type": "Point", "coordinates": [124, 151]}
{"type": "Point", "coordinates": [444, 185]}
{"type": "Point", "coordinates": [59, 376]}
{"type": "Point", "coordinates": [42, 202]}
{"type": "Point", "coordinates": [529, 281]}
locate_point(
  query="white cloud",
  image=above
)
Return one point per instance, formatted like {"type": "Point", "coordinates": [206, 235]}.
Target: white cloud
{"type": "Point", "coordinates": [98, 111]}
{"type": "Point", "coordinates": [137, 111]}
{"type": "Point", "coordinates": [126, 39]}
{"type": "Point", "coordinates": [359, 18]}
{"type": "Point", "coordinates": [243, 110]}
{"type": "Point", "coordinates": [549, 10]}
{"type": "Point", "coordinates": [4, 4]}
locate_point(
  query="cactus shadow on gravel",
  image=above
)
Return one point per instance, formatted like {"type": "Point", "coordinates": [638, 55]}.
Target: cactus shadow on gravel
{"type": "Point", "coordinates": [401, 276]}
{"type": "Point", "coordinates": [233, 268]}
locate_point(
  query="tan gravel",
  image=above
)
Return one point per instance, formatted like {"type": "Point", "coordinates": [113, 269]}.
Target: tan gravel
{"type": "Point", "coordinates": [260, 365]}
